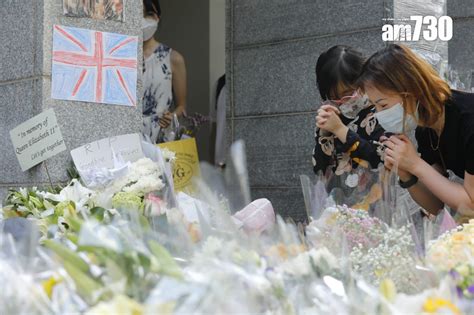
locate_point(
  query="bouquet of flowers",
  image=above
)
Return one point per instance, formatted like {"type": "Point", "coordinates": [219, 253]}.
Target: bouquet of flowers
{"type": "Point", "coordinates": [453, 248]}
{"type": "Point", "coordinates": [438, 300]}
{"type": "Point", "coordinates": [138, 189]}
{"type": "Point", "coordinates": [463, 276]}
{"type": "Point", "coordinates": [393, 258]}
{"type": "Point", "coordinates": [106, 261]}
{"type": "Point", "coordinates": [375, 250]}
{"type": "Point", "coordinates": [355, 226]}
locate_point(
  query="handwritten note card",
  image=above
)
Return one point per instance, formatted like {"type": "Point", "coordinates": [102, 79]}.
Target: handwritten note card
{"type": "Point", "coordinates": [100, 154]}
{"type": "Point", "coordinates": [37, 139]}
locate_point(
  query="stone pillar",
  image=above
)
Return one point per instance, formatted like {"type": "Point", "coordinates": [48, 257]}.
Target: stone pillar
{"type": "Point", "coordinates": [436, 52]}
{"type": "Point", "coordinates": [272, 49]}
{"type": "Point", "coordinates": [26, 29]}
{"type": "Point", "coordinates": [462, 44]}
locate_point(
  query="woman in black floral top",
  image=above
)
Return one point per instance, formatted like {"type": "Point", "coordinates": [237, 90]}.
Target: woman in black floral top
{"type": "Point", "coordinates": [347, 132]}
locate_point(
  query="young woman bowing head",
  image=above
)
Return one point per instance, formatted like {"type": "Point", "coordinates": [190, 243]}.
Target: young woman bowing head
{"type": "Point", "coordinates": [408, 93]}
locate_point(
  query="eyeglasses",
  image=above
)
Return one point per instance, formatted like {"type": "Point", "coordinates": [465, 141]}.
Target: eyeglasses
{"type": "Point", "coordinates": [350, 105]}
{"type": "Point", "coordinates": [342, 100]}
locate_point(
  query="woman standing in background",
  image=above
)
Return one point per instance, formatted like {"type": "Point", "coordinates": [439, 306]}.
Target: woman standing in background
{"type": "Point", "coordinates": [164, 77]}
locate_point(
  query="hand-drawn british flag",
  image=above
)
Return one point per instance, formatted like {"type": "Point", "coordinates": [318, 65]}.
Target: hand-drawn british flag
{"type": "Point", "coordinates": [93, 66]}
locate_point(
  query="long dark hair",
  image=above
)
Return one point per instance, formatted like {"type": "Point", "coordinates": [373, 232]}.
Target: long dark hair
{"type": "Point", "coordinates": [336, 69]}
{"type": "Point", "coordinates": [152, 6]}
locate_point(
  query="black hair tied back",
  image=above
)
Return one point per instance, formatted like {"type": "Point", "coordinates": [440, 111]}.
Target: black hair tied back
{"type": "Point", "coordinates": [152, 6]}
{"type": "Point", "coordinates": [339, 65]}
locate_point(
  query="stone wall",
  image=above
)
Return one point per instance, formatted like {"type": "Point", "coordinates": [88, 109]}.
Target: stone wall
{"type": "Point", "coordinates": [26, 29]}
{"type": "Point", "coordinates": [462, 45]}
{"type": "Point", "coordinates": [272, 49]}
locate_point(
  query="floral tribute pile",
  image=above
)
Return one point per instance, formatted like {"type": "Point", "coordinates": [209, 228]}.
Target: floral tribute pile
{"type": "Point", "coordinates": [133, 246]}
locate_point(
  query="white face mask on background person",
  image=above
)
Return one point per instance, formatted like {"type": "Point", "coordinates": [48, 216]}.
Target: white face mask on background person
{"type": "Point", "coordinates": [391, 119]}
{"type": "Point", "coordinates": [149, 26]}
{"type": "Point", "coordinates": [352, 107]}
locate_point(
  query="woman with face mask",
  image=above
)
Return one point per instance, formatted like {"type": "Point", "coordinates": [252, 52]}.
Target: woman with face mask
{"type": "Point", "coordinates": [347, 131]}
{"type": "Point", "coordinates": [164, 77]}
{"type": "Point", "coordinates": [408, 93]}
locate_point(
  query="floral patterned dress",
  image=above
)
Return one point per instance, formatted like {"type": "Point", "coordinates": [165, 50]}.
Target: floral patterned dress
{"type": "Point", "coordinates": [158, 87]}
{"type": "Point", "coordinates": [361, 148]}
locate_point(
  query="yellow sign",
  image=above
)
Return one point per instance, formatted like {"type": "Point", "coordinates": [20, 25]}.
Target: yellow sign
{"type": "Point", "coordinates": [186, 165]}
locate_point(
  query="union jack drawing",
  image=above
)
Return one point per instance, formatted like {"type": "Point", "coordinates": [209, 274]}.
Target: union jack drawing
{"type": "Point", "coordinates": [93, 66]}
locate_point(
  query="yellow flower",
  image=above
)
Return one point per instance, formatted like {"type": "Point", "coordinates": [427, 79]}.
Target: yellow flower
{"type": "Point", "coordinates": [388, 289]}
{"type": "Point", "coordinates": [167, 308]}
{"type": "Point", "coordinates": [433, 305]}
{"type": "Point", "coordinates": [331, 220]}
{"type": "Point", "coordinates": [49, 284]}
{"type": "Point", "coordinates": [380, 272]}
{"type": "Point", "coordinates": [458, 237]}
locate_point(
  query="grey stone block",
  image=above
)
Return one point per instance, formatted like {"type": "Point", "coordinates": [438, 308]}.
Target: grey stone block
{"type": "Point", "coordinates": [20, 27]}
{"type": "Point", "coordinates": [460, 8]}
{"type": "Point", "coordinates": [278, 148]}
{"type": "Point", "coordinates": [402, 12]}
{"type": "Point", "coordinates": [273, 20]}
{"type": "Point", "coordinates": [229, 48]}
{"type": "Point", "coordinates": [3, 194]}
{"type": "Point", "coordinates": [82, 122]}
{"type": "Point", "coordinates": [229, 135]}
{"type": "Point", "coordinates": [96, 121]}
{"type": "Point", "coordinates": [281, 78]}
{"type": "Point", "coordinates": [460, 50]}
{"type": "Point", "coordinates": [53, 11]}
{"type": "Point", "coordinates": [288, 202]}
{"type": "Point", "coordinates": [18, 103]}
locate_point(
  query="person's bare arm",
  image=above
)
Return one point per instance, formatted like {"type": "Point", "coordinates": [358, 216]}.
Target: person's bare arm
{"type": "Point", "coordinates": [440, 189]}
{"type": "Point", "coordinates": [178, 68]}
{"type": "Point", "coordinates": [422, 195]}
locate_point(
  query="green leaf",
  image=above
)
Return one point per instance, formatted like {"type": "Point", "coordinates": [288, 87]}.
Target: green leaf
{"type": "Point", "coordinates": [73, 237]}
{"type": "Point", "coordinates": [166, 263]}
{"type": "Point", "coordinates": [85, 284]}
{"type": "Point", "coordinates": [72, 172]}
{"type": "Point", "coordinates": [144, 261]}
{"type": "Point", "coordinates": [75, 224]}
{"type": "Point", "coordinates": [36, 202]}
{"type": "Point", "coordinates": [114, 270]}
{"type": "Point", "coordinates": [98, 213]}
{"type": "Point", "coordinates": [67, 255]}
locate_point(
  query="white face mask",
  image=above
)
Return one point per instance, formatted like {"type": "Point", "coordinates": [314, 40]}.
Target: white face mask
{"type": "Point", "coordinates": [392, 119]}
{"type": "Point", "coordinates": [351, 108]}
{"type": "Point", "coordinates": [149, 26]}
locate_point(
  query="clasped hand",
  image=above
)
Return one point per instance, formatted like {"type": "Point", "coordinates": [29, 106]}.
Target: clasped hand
{"type": "Point", "coordinates": [328, 119]}
{"type": "Point", "coordinates": [400, 152]}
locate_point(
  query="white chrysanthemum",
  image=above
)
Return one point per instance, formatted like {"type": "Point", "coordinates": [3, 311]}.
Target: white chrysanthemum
{"type": "Point", "coordinates": [212, 246]}
{"type": "Point", "coordinates": [145, 185]}
{"type": "Point", "coordinates": [301, 265]}
{"type": "Point", "coordinates": [168, 155]}
{"type": "Point", "coordinates": [142, 177]}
